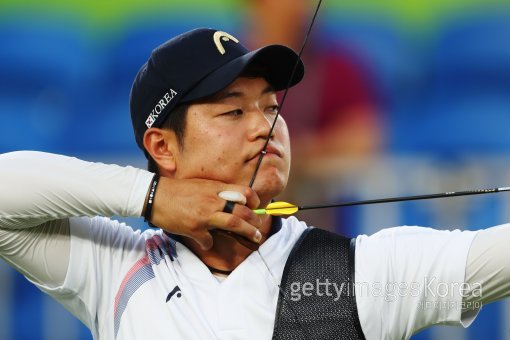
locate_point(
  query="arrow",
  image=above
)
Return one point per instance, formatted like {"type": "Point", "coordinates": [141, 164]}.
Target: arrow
{"type": "Point", "coordinates": [284, 208]}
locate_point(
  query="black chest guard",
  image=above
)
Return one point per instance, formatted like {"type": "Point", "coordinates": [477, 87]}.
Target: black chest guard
{"type": "Point", "coordinates": [319, 259]}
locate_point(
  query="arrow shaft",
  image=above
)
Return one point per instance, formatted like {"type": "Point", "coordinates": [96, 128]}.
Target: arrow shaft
{"type": "Point", "coordinates": [407, 198]}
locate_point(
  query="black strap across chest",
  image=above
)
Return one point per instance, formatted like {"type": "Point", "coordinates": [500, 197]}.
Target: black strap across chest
{"type": "Point", "coordinates": [309, 310]}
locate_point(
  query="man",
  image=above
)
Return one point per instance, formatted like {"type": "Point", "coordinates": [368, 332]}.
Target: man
{"type": "Point", "coordinates": [202, 107]}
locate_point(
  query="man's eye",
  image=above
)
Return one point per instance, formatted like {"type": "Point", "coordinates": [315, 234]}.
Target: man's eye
{"type": "Point", "coordinates": [234, 113]}
{"type": "Point", "coordinates": [273, 109]}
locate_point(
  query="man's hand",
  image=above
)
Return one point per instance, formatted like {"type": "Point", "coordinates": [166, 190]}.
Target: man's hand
{"type": "Point", "coordinates": [192, 207]}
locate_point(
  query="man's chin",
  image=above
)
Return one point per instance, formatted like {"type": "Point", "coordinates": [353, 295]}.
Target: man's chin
{"type": "Point", "coordinates": [267, 191]}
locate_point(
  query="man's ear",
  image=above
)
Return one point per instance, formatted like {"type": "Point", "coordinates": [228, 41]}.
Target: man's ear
{"type": "Point", "coordinates": [163, 147]}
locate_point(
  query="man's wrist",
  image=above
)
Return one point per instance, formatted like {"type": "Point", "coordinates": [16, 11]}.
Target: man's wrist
{"type": "Point", "coordinates": [149, 199]}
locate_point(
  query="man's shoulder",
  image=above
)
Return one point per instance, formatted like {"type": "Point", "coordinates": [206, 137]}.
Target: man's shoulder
{"type": "Point", "coordinates": [292, 227]}
{"type": "Point", "coordinates": [410, 232]}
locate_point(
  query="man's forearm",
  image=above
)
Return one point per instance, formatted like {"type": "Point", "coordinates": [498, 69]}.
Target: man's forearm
{"type": "Point", "coordinates": [488, 267]}
{"type": "Point", "coordinates": [37, 187]}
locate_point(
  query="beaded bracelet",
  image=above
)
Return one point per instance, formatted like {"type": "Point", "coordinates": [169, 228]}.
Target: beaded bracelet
{"type": "Point", "coordinates": [150, 201]}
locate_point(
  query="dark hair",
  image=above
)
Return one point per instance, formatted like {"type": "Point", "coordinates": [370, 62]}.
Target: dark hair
{"type": "Point", "coordinates": [176, 122]}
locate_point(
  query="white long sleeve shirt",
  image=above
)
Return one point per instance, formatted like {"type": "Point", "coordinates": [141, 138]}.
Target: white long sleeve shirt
{"type": "Point", "coordinates": [124, 284]}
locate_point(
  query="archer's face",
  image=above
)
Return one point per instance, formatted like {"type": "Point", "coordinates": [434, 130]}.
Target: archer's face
{"type": "Point", "coordinates": [225, 134]}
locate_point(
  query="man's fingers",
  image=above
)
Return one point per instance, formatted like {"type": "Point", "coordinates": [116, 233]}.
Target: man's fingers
{"type": "Point", "coordinates": [229, 207]}
{"type": "Point", "coordinates": [204, 239]}
{"type": "Point", "coordinates": [192, 207]}
{"type": "Point", "coordinates": [247, 215]}
{"type": "Point", "coordinates": [236, 224]}
{"type": "Point", "coordinates": [251, 199]}
{"type": "Point", "coordinates": [234, 205]}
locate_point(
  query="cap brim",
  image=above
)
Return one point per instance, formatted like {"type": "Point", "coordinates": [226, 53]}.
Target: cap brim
{"type": "Point", "coordinates": [278, 60]}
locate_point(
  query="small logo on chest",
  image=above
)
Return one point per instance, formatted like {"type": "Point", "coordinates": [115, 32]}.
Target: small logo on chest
{"type": "Point", "coordinates": [176, 291]}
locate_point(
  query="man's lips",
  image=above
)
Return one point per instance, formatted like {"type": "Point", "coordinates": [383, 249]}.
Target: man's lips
{"type": "Point", "coordinates": [270, 151]}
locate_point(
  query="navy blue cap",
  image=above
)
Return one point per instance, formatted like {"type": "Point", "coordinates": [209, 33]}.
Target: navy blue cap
{"type": "Point", "coordinates": [197, 64]}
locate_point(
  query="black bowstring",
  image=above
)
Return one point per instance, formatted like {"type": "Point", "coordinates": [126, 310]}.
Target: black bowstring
{"type": "Point", "coordinates": [263, 152]}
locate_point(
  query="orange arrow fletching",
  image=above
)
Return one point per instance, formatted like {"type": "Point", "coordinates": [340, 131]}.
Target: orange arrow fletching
{"type": "Point", "coordinates": [277, 209]}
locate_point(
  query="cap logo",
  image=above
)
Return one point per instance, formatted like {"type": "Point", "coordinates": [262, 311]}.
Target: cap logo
{"type": "Point", "coordinates": [219, 35]}
{"type": "Point", "coordinates": [167, 97]}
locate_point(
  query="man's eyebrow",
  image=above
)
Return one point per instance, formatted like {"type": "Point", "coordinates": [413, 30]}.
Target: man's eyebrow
{"type": "Point", "coordinates": [268, 89]}
{"type": "Point", "coordinates": [228, 94]}
{"type": "Point", "coordinates": [237, 94]}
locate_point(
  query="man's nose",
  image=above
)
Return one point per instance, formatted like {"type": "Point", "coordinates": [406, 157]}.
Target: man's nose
{"type": "Point", "coordinates": [260, 124]}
